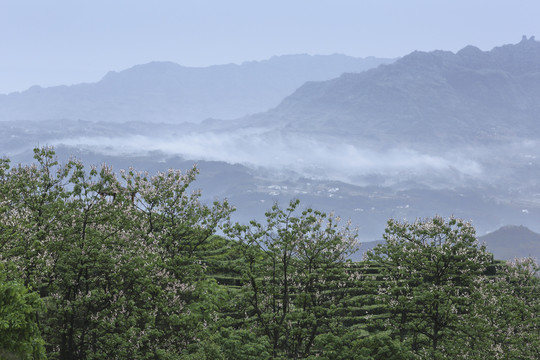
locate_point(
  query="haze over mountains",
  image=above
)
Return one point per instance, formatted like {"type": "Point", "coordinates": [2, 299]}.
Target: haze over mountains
{"type": "Point", "coordinates": [431, 133]}
{"type": "Point", "coordinates": [439, 119]}
{"type": "Point", "coordinates": [170, 93]}
{"type": "Point", "coordinates": [471, 96]}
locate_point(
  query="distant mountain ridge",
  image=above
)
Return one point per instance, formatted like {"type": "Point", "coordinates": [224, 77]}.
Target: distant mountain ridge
{"type": "Point", "coordinates": [513, 241]}
{"type": "Point", "coordinates": [440, 97]}
{"type": "Point", "coordinates": [166, 92]}
{"type": "Point", "coordinates": [432, 133]}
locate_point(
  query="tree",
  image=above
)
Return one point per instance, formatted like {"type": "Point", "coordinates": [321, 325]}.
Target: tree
{"type": "Point", "coordinates": [294, 276]}
{"type": "Point", "coordinates": [429, 272]}
{"type": "Point", "coordinates": [114, 259]}
{"type": "Point", "coordinates": [505, 322]}
{"type": "Point", "coordinates": [350, 346]}
{"type": "Point", "coordinates": [19, 333]}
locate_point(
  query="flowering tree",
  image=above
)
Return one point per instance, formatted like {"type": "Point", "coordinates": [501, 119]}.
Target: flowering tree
{"type": "Point", "coordinates": [506, 321]}
{"type": "Point", "coordinates": [294, 276]}
{"type": "Point", "coordinates": [429, 270]}
{"type": "Point", "coordinates": [114, 259]}
{"type": "Point", "coordinates": [120, 264]}
{"type": "Point", "coordinates": [19, 333]}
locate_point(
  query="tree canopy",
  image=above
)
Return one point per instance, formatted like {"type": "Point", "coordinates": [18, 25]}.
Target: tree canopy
{"type": "Point", "coordinates": [19, 333]}
{"type": "Point", "coordinates": [111, 257]}
{"type": "Point", "coordinates": [295, 276]}
{"type": "Point", "coordinates": [96, 264]}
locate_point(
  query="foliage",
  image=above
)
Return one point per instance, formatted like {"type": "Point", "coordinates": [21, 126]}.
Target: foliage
{"type": "Point", "coordinates": [429, 270]}
{"type": "Point", "coordinates": [379, 346]}
{"type": "Point", "coordinates": [351, 346]}
{"type": "Point", "coordinates": [113, 259]}
{"type": "Point", "coordinates": [294, 276]}
{"type": "Point", "coordinates": [228, 343]}
{"type": "Point", "coordinates": [506, 314]}
{"type": "Point", "coordinates": [19, 334]}
{"type": "Point", "coordinates": [99, 265]}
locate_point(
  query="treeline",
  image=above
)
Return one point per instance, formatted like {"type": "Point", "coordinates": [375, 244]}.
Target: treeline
{"type": "Point", "coordinates": [100, 265]}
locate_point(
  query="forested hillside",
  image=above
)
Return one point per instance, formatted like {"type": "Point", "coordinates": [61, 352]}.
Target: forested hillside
{"type": "Point", "coordinates": [96, 264]}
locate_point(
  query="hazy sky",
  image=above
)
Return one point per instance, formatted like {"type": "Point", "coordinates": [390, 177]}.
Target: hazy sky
{"type": "Point", "coordinates": [52, 42]}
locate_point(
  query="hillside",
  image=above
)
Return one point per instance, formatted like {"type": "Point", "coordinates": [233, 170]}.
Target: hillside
{"type": "Point", "coordinates": [512, 241]}
{"type": "Point", "coordinates": [170, 93]}
{"type": "Point", "coordinates": [470, 96]}
{"type": "Point", "coordinates": [351, 144]}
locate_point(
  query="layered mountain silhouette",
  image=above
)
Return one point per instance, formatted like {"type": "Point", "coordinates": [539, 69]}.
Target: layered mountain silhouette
{"type": "Point", "coordinates": [431, 133]}
{"type": "Point", "coordinates": [439, 96]}
{"type": "Point", "coordinates": [169, 93]}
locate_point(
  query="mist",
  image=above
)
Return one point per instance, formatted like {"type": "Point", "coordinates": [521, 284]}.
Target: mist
{"type": "Point", "coordinates": [306, 156]}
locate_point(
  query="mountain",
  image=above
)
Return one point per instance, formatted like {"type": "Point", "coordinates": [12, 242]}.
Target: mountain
{"type": "Point", "coordinates": [511, 241]}
{"type": "Point", "coordinates": [435, 133]}
{"type": "Point", "coordinates": [169, 93]}
{"type": "Point", "coordinates": [436, 119]}
{"type": "Point", "coordinates": [435, 97]}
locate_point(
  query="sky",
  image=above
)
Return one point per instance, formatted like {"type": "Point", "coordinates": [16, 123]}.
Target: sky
{"type": "Point", "coordinates": [64, 42]}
